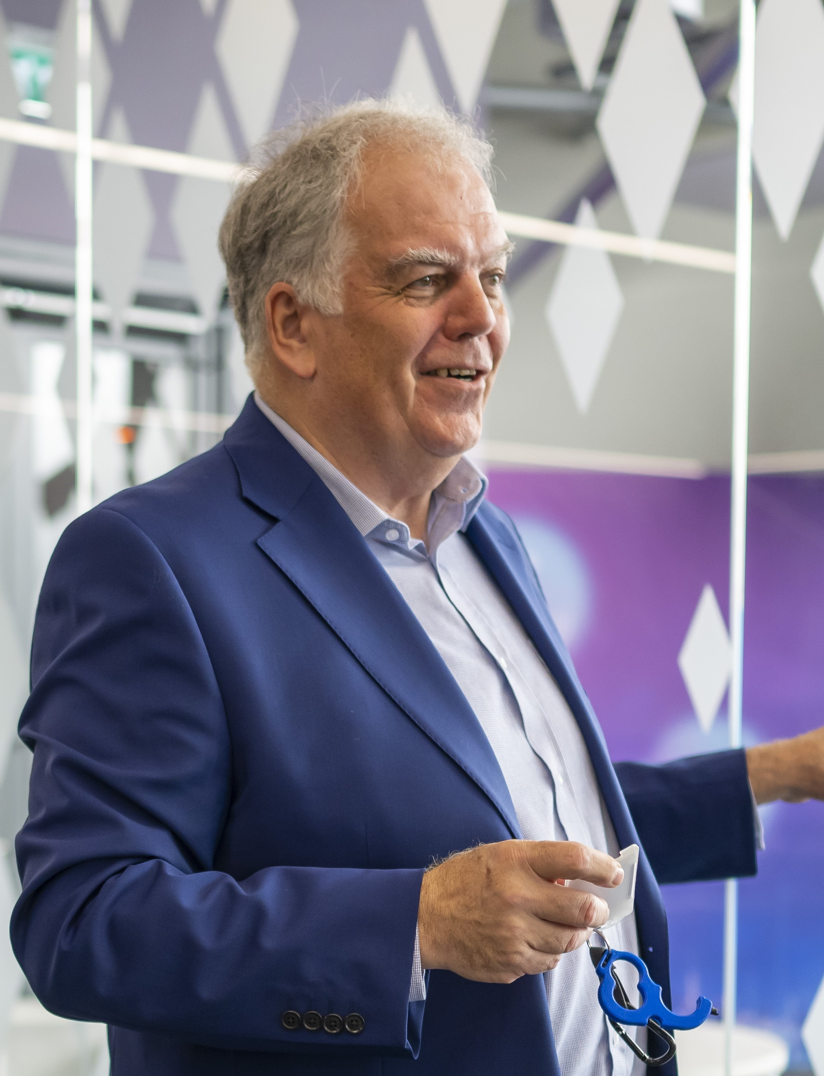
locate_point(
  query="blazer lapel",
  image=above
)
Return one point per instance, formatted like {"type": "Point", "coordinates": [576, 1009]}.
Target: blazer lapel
{"type": "Point", "coordinates": [490, 535]}
{"type": "Point", "coordinates": [316, 545]}
{"type": "Point", "coordinates": [494, 539]}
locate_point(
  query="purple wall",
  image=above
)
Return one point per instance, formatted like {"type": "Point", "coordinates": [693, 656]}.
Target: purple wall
{"type": "Point", "coordinates": [623, 560]}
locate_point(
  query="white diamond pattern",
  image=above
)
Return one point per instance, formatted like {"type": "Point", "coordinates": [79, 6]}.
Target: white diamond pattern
{"type": "Point", "coordinates": [650, 113]}
{"type": "Point", "coordinates": [199, 205]}
{"type": "Point", "coordinates": [788, 127]}
{"type": "Point", "coordinates": [117, 14]}
{"type": "Point", "coordinates": [413, 76]}
{"type": "Point", "coordinates": [817, 274]}
{"type": "Point", "coordinates": [123, 218]}
{"type": "Point", "coordinates": [812, 1032]}
{"type": "Point", "coordinates": [704, 659]}
{"type": "Point", "coordinates": [254, 46]}
{"type": "Point", "coordinates": [466, 31]}
{"type": "Point", "coordinates": [586, 25]}
{"type": "Point", "coordinates": [583, 311]}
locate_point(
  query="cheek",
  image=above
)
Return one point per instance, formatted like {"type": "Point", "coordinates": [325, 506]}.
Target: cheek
{"type": "Point", "coordinates": [499, 339]}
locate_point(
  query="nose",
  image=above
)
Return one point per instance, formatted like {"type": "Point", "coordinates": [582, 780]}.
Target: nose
{"type": "Point", "coordinates": [470, 311]}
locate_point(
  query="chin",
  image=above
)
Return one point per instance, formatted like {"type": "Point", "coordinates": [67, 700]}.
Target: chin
{"type": "Point", "coordinates": [450, 438]}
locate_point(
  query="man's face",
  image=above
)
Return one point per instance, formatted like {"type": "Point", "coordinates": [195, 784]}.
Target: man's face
{"type": "Point", "coordinates": [412, 358]}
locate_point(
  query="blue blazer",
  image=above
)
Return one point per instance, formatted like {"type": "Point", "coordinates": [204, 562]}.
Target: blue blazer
{"type": "Point", "coordinates": [246, 751]}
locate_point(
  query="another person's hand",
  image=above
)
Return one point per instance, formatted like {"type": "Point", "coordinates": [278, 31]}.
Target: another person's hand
{"type": "Point", "coordinates": [791, 770]}
{"type": "Point", "coordinates": [500, 911]}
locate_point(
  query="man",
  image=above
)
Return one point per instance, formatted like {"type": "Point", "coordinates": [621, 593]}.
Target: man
{"type": "Point", "coordinates": [275, 689]}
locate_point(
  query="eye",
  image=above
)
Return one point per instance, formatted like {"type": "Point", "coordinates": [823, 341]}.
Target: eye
{"type": "Point", "coordinates": [496, 279]}
{"type": "Point", "coordinates": [430, 282]}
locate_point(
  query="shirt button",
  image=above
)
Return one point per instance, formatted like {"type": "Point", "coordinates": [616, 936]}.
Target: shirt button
{"type": "Point", "coordinates": [392, 535]}
{"type": "Point", "coordinates": [502, 663]}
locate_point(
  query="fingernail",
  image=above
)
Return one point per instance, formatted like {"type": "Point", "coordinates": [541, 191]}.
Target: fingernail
{"type": "Point", "coordinates": [618, 877]}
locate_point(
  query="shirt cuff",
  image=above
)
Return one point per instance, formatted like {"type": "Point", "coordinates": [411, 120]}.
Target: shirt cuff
{"type": "Point", "coordinates": [757, 823]}
{"type": "Point", "coordinates": [417, 988]}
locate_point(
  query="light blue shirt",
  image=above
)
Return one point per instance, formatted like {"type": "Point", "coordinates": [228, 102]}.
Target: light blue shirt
{"type": "Point", "coordinates": [530, 727]}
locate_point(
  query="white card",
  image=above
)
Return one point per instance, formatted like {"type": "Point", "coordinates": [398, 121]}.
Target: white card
{"type": "Point", "coordinates": [621, 899]}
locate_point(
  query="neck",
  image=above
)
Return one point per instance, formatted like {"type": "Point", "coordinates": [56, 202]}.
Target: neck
{"type": "Point", "coordinates": [398, 479]}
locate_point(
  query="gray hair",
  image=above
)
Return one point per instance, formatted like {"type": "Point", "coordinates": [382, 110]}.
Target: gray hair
{"type": "Point", "coordinates": [285, 219]}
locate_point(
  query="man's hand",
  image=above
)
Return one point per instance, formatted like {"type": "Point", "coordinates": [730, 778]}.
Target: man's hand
{"type": "Point", "coordinates": [791, 770]}
{"type": "Point", "coordinates": [501, 911]}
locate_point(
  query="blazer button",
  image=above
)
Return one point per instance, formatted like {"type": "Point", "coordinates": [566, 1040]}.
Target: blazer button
{"type": "Point", "coordinates": [312, 1020]}
{"type": "Point", "coordinates": [354, 1023]}
{"type": "Point", "coordinates": [332, 1023]}
{"type": "Point", "coordinates": [291, 1020]}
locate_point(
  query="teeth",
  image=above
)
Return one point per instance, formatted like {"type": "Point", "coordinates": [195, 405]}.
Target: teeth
{"type": "Point", "coordinates": [454, 371]}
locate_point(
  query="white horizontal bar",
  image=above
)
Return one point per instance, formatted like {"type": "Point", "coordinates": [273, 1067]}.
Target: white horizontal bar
{"type": "Point", "coordinates": [176, 321]}
{"type": "Point", "coordinates": [783, 462]}
{"type": "Point", "coordinates": [148, 317]}
{"type": "Point", "coordinates": [164, 160]}
{"type": "Point", "coordinates": [554, 231]}
{"type": "Point", "coordinates": [547, 231]}
{"type": "Point", "coordinates": [511, 452]}
{"type": "Point", "coordinates": [170, 418]}
{"type": "Point", "coordinates": [586, 459]}
{"type": "Point", "coordinates": [157, 160]}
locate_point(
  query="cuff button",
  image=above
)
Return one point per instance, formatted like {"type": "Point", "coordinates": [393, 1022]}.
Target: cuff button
{"type": "Point", "coordinates": [332, 1023]}
{"type": "Point", "coordinates": [312, 1020]}
{"type": "Point", "coordinates": [290, 1020]}
{"type": "Point", "coordinates": [354, 1023]}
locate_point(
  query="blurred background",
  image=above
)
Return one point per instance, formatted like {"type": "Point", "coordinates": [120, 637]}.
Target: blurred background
{"type": "Point", "coordinates": [608, 435]}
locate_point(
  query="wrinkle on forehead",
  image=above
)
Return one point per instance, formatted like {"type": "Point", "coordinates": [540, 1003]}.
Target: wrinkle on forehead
{"type": "Point", "coordinates": [443, 258]}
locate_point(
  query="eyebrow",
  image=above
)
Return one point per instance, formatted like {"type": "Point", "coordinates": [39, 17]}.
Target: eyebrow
{"type": "Point", "coordinates": [432, 256]}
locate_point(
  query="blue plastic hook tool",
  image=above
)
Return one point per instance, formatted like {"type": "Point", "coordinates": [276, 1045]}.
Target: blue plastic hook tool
{"type": "Point", "coordinates": [652, 1004]}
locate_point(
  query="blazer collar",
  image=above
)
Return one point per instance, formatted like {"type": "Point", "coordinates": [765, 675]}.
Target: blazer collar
{"type": "Point", "coordinates": [315, 544]}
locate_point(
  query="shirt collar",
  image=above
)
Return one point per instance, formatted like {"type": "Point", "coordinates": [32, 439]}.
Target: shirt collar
{"type": "Point", "coordinates": [453, 504]}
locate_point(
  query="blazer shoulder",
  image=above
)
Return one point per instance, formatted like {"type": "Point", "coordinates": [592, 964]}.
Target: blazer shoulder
{"type": "Point", "coordinates": [183, 496]}
{"type": "Point", "coordinates": [500, 524]}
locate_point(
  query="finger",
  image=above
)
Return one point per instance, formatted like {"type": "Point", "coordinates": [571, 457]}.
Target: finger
{"type": "Point", "coordinates": [571, 908]}
{"type": "Point", "coordinates": [551, 940]}
{"type": "Point", "coordinates": [552, 860]}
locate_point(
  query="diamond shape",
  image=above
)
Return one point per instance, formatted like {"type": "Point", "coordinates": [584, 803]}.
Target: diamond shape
{"type": "Point", "coordinates": [817, 274]}
{"type": "Point", "coordinates": [704, 659]}
{"type": "Point", "coordinates": [254, 46]}
{"type": "Point", "coordinates": [812, 1032]}
{"type": "Point", "coordinates": [583, 311]}
{"type": "Point", "coordinates": [117, 14]}
{"type": "Point", "coordinates": [648, 120]}
{"type": "Point", "coordinates": [586, 25]}
{"type": "Point", "coordinates": [788, 127]}
{"type": "Point", "coordinates": [123, 219]}
{"type": "Point", "coordinates": [466, 31]}
{"type": "Point", "coordinates": [199, 205]}
{"type": "Point", "coordinates": [413, 75]}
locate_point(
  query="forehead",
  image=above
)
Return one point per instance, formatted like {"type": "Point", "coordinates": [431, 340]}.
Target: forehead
{"type": "Point", "coordinates": [406, 201]}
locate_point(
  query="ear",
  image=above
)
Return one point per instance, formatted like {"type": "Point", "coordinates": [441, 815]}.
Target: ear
{"type": "Point", "coordinates": [286, 329]}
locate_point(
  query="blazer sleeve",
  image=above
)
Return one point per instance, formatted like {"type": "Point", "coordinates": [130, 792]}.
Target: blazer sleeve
{"type": "Point", "coordinates": [695, 817]}
{"type": "Point", "coordinates": [124, 917]}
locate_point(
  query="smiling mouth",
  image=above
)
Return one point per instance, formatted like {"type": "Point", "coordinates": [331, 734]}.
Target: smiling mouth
{"type": "Point", "coordinates": [454, 372]}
